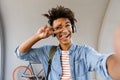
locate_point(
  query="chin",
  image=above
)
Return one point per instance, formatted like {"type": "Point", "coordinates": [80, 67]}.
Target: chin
{"type": "Point", "coordinates": [65, 42]}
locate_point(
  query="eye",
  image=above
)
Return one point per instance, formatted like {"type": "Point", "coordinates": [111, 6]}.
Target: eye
{"type": "Point", "coordinates": [68, 25]}
{"type": "Point", "coordinates": [58, 28]}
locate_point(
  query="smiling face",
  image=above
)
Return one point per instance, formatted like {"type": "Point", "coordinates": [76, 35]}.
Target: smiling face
{"type": "Point", "coordinates": [63, 25]}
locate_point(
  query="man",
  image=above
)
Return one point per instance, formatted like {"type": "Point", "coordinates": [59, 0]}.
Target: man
{"type": "Point", "coordinates": [70, 61]}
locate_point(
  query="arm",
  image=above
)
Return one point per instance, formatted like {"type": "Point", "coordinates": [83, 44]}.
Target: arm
{"type": "Point", "coordinates": [25, 52]}
{"type": "Point", "coordinates": [42, 33]}
{"type": "Point", "coordinates": [97, 62]}
{"type": "Point", "coordinates": [113, 62]}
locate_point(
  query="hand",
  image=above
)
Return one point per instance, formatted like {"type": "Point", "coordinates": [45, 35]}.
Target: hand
{"type": "Point", "coordinates": [45, 32]}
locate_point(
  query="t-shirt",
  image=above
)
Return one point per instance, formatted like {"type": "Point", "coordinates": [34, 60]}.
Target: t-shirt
{"type": "Point", "coordinates": [66, 74]}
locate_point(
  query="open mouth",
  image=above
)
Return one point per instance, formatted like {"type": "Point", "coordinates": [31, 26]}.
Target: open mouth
{"type": "Point", "coordinates": [64, 36]}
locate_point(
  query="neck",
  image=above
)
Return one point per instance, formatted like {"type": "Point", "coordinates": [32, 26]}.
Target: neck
{"type": "Point", "coordinates": [65, 47]}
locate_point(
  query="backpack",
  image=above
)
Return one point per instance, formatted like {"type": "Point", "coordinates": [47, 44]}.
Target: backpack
{"type": "Point", "coordinates": [51, 54]}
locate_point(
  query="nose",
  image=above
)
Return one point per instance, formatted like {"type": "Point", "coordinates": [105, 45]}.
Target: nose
{"type": "Point", "coordinates": [65, 31]}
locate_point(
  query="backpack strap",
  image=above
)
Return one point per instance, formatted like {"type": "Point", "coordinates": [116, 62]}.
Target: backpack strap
{"type": "Point", "coordinates": [51, 54]}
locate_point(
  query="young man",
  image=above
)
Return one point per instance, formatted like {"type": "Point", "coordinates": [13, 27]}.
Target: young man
{"type": "Point", "coordinates": [70, 61]}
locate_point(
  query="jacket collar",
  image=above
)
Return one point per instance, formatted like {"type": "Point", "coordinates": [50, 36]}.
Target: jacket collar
{"type": "Point", "coordinates": [71, 49]}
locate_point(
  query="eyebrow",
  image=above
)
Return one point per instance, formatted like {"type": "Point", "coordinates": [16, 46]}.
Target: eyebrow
{"type": "Point", "coordinates": [58, 25]}
{"type": "Point", "coordinates": [61, 24]}
{"type": "Point", "coordinates": [67, 22]}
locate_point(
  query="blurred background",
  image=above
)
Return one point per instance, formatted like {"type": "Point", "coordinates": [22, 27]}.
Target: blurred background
{"type": "Point", "coordinates": [20, 19]}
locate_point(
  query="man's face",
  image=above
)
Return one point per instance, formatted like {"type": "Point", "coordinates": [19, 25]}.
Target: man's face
{"type": "Point", "coordinates": [64, 28]}
{"type": "Point", "coordinates": [117, 41]}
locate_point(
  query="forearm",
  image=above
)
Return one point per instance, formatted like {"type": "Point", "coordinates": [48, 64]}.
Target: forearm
{"type": "Point", "coordinates": [42, 33]}
{"type": "Point", "coordinates": [26, 46]}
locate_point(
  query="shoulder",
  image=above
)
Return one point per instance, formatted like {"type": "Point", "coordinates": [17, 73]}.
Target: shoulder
{"type": "Point", "coordinates": [46, 47]}
{"type": "Point", "coordinates": [84, 47]}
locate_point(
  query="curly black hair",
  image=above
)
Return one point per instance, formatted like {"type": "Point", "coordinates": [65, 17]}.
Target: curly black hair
{"type": "Point", "coordinates": [60, 12]}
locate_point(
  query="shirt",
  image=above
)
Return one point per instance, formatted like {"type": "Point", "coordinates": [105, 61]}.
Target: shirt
{"type": "Point", "coordinates": [66, 75]}
{"type": "Point", "coordinates": [83, 59]}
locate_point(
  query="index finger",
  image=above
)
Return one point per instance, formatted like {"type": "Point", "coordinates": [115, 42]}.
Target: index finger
{"type": "Point", "coordinates": [58, 31]}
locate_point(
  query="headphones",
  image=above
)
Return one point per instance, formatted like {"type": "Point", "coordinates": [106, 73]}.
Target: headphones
{"type": "Point", "coordinates": [73, 30]}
